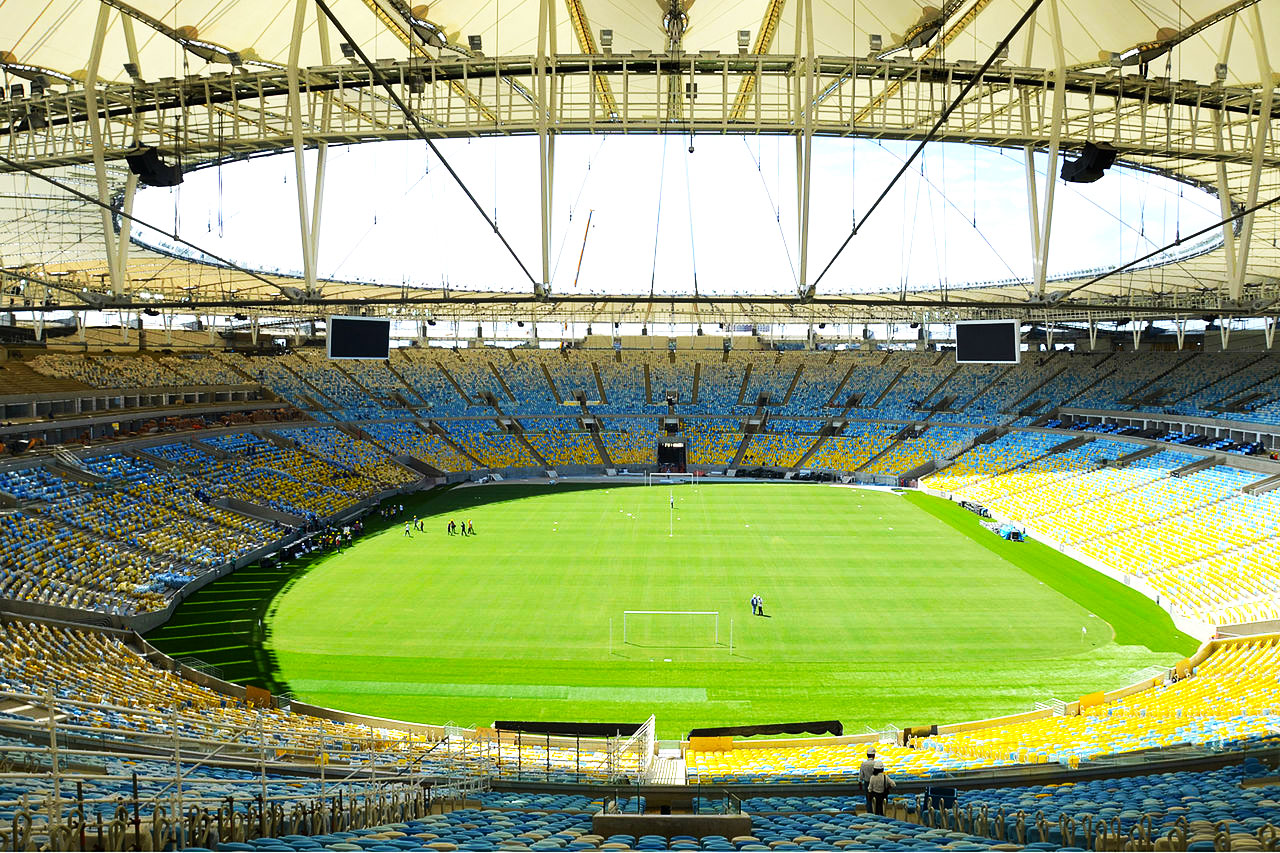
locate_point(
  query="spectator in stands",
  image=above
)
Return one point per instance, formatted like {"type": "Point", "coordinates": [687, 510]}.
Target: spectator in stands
{"type": "Point", "coordinates": [864, 773]}
{"type": "Point", "coordinates": [879, 786]}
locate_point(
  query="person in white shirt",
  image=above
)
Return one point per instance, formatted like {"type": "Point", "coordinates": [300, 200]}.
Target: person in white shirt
{"type": "Point", "coordinates": [864, 774]}
{"type": "Point", "coordinates": [879, 786]}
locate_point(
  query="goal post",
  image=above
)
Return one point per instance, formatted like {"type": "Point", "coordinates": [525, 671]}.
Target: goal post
{"type": "Point", "coordinates": [671, 628]}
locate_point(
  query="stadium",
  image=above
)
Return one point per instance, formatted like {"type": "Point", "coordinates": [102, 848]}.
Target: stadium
{"type": "Point", "coordinates": [616, 425]}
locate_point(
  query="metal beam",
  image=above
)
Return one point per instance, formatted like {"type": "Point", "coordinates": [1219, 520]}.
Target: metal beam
{"type": "Point", "coordinates": [546, 139]}
{"type": "Point", "coordinates": [400, 28]}
{"type": "Point", "coordinates": [299, 147]}
{"type": "Point", "coordinates": [1041, 265]}
{"type": "Point", "coordinates": [99, 149]}
{"type": "Point", "coordinates": [804, 138]}
{"type": "Point", "coordinates": [1260, 134]}
{"type": "Point", "coordinates": [932, 51]}
{"type": "Point", "coordinates": [764, 40]}
{"type": "Point", "coordinates": [587, 44]}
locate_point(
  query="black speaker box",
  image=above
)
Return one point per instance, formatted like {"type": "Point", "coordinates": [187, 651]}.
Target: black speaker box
{"type": "Point", "coordinates": [152, 171]}
{"type": "Point", "coordinates": [1089, 166]}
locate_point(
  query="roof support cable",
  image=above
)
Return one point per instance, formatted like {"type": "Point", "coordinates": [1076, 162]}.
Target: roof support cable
{"type": "Point", "coordinates": [933, 131]}
{"type": "Point", "coordinates": [1178, 242]}
{"type": "Point", "coordinates": [381, 79]}
{"type": "Point", "coordinates": [67, 188]}
{"type": "Point", "coordinates": [657, 223]}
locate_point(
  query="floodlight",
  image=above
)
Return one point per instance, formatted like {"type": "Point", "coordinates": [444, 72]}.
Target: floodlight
{"type": "Point", "coordinates": [348, 51]}
{"type": "Point", "coordinates": [744, 41]}
{"type": "Point", "coordinates": [877, 43]}
{"type": "Point", "coordinates": [1220, 72]}
{"type": "Point", "coordinates": [606, 41]}
{"type": "Point", "coordinates": [475, 44]}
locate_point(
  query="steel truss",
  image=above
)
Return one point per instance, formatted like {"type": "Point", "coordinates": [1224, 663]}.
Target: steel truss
{"type": "Point", "coordinates": [1224, 138]}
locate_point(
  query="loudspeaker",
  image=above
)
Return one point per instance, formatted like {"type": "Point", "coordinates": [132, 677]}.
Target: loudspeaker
{"type": "Point", "coordinates": [1089, 166]}
{"type": "Point", "coordinates": [146, 164]}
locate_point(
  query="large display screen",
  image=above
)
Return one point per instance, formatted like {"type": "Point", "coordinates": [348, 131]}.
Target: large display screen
{"type": "Point", "coordinates": [359, 337]}
{"type": "Point", "coordinates": [987, 342]}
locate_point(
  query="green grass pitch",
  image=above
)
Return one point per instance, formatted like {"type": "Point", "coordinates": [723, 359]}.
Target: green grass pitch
{"type": "Point", "coordinates": [883, 608]}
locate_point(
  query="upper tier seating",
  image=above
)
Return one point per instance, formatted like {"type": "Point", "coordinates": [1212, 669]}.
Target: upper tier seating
{"type": "Point", "coordinates": [109, 371]}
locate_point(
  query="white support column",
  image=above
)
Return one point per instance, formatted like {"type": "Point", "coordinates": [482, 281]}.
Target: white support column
{"type": "Point", "coordinates": [1269, 330]}
{"type": "Point", "coordinates": [1137, 331]}
{"type": "Point", "coordinates": [805, 108]}
{"type": "Point", "coordinates": [99, 148]}
{"type": "Point", "coordinates": [1029, 151]}
{"type": "Point", "coordinates": [1055, 139]}
{"type": "Point", "coordinates": [322, 150]}
{"type": "Point", "coordinates": [546, 137]}
{"type": "Point", "coordinates": [1224, 332]}
{"type": "Point", "coordinates": [1263, 124]}
{"type": "Point", "coordinates": [299, 149]}
{"type": "Point", "coordinates": [1181, 325]}
{"type": "Point", "coordinates": [1224, 188]}
{"type": "Point", "coordinates": [1093, 333]}
{"type": "Point", "coordinates": [131, 184]}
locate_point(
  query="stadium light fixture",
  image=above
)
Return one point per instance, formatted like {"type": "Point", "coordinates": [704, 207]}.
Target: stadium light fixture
{"type": "Point", "coordinates": [876, 42]}
{"type": "Point", "coordinates": [744, 41]}
{"type": "Point", "coordinates": [348, 51]}
{"type": "Point", "coordinates": [606, 41]}
{"type": "Point", "coordinates": [475, 44]}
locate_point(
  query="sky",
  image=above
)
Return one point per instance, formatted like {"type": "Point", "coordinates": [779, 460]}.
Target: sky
{"type": "Point", "coordinates": [641, 214]}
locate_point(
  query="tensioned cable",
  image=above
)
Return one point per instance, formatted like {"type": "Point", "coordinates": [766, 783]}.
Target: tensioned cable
{"type": "Point", "coordinates": [1178, 242]}
{"type": "Point", "coordinates": [577, 202]}
{"type": "Point", "coordinates": [773, 208]}
{"type": "Point", "coordinates": [693, 250]}
{"type": "Point", "coordinates": [937, 125]}
{"type": "Point", "coordinates": [413, 120]}
{"type": "Point", "coordinates": [657, 224]}
{"type": "Point", "coordinates": [22, 167]}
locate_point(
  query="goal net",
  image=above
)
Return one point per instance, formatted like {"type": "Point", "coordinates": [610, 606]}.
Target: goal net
{"type": "Point", "coordinates": [671, 628]}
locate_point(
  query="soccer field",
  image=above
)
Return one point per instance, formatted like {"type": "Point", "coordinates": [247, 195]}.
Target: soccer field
{"type": "Point", "coordinates": [883, 608]}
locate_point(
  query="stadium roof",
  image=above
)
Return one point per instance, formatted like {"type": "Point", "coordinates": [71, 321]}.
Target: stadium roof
{"type": "Point", "coordinates": [1185, 88]}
